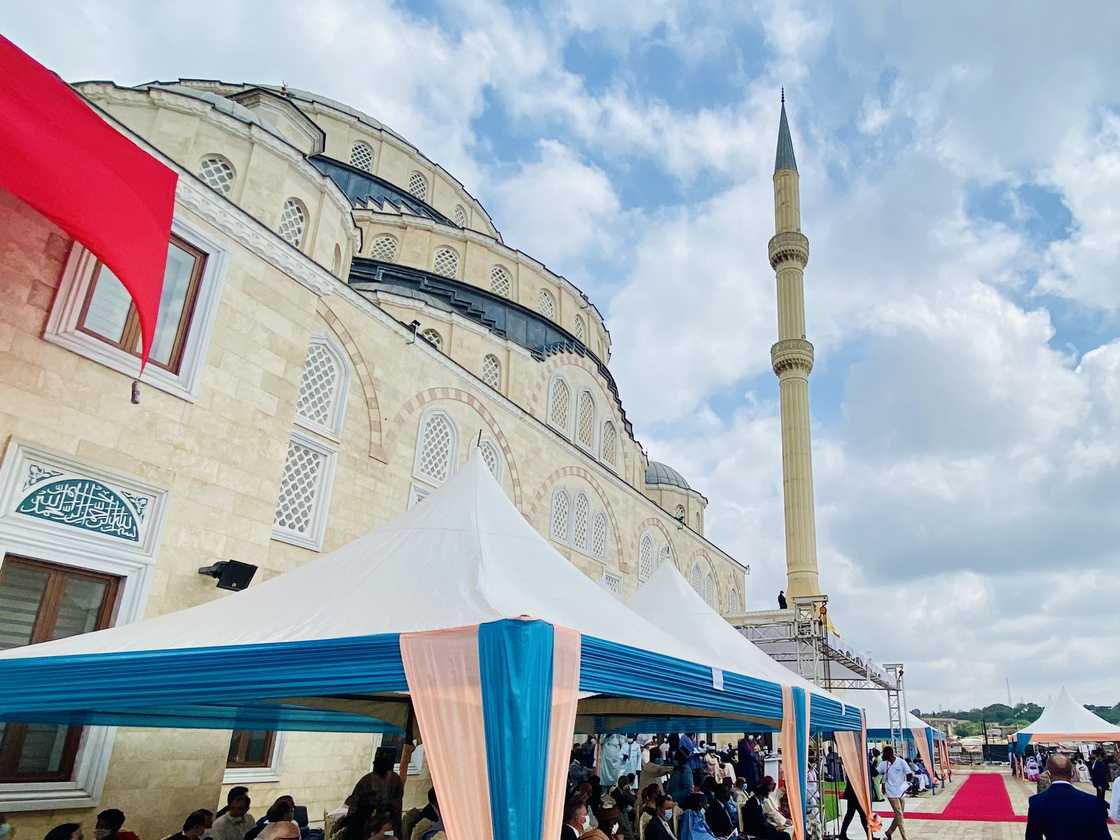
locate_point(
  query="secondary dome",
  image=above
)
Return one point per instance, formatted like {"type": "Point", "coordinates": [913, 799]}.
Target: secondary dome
{"type": "Point", "coordinates": [658, 473]}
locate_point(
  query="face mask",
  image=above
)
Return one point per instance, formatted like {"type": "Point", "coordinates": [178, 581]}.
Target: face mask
{"type": "Point", "coordinates": [101, 833]}
{"type": "Point", "coordinates": [586, 823]}
{"type": "Point", "coordinates": [667, 814]}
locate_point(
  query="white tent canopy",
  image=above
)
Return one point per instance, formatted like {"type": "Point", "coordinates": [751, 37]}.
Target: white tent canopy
{"type": "Point", "coordinates": [874, 703]}
{"type": "Point", "coordinates": [1065, 720]}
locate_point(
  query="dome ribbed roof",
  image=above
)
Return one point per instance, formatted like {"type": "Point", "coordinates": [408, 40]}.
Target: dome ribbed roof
{"type": "Point", "coordinates": [658, 473]}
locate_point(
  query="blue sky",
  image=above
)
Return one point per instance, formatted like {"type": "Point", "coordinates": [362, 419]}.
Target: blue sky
{"type": "Point", "coordinates": [960, 179]}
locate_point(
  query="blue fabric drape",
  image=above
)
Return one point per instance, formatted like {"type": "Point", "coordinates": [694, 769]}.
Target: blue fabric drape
{"type": "Point", "coordinates": [515, 663]}
{"type": "Point", "coordinates": [801, 715]}
{"type": "Point", "coordinates": [1021, 741]}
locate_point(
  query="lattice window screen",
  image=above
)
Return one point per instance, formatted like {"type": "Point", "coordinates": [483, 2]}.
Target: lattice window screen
{"type": "Point", "coordinates": [581, 329]}
{"type": "Point", "coordinates": [492, 459]}
{"type": "Point", "coordinates": [384, 248]}
{"type": "Point", "coordinates": [217, 173]}
{"type": "Point", "coordinates": [299, 489]}
{"type": "Point", "coordinates": [559, 409]}
{"type": "Point", "coordinates": [492, 372]}
{"type": "Point", "coordinates": [645, 557]}
{"type": "Point", "coordinates": [586, 430]}
{"type": "Point", "coordinates": [418, 186]}
{"type": "Point", "coordinates": [460, 216]}
{"type": "Point", "coordinates": [581, 523]}
{"type": "Point", "coordinates": [546, 303]}
{"type": "Point", "coordinates": [434, 337]}
{"type": "Point", "coordinates": [612, 583]}
{"type": "Point", "coordinates": [435, 449]}
{"type": "Point", "coordinates": [293, 219]}
{"type": "Point", "coordinates": [361, 156]}
{"type": "Point", "coordinates": [319, 386]}
{"type": "Point", "coordinates": [609, 446]}
{"type": "Point", "coordinates": [710, 589]}
{"type": "Point", "coordinates": [696, 578]}
{"type": "Point", "coordinates": [501, 283]}
{"type": "Point", "coordinates": [561, 514]}
{"type": "Point", "coordinates": [599, 536]}
{"type": "Point", "coordinates": [445, 262]}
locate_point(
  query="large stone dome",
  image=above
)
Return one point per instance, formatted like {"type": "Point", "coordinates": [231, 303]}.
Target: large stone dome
{"type": "Point", "coordinates": [658, 473]}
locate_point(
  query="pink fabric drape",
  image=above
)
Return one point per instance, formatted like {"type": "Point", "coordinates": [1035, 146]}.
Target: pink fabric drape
{"type": "Point", "coordinates": [852, 748]}
{"type": "Point", "coordinates": [446, 689]}
{"type": "Point", "coordinates": [794, 757]}
{"type": "Point", "coordinates": [923, 751]}
{"type": "Point", "coordinates": [565, 697]}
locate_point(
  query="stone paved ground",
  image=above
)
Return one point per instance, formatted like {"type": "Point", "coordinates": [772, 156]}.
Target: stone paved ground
{"type": "Point", "coordinates": [1018, 790]}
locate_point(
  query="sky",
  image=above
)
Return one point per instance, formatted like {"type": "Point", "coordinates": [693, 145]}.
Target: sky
{"type": "Point", "coordinates": [960, 180]}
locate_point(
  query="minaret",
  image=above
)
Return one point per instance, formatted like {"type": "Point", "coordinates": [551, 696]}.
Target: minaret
{"type": "Point", "coordinates": [792, 357]}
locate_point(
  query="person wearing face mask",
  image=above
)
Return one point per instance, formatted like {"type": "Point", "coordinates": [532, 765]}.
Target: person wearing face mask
{"type": "Point", "coordinates": [235, 822]}
{"type": "Point", "coordinates": [194, 827]}
{"type": "Point", "coordinates": [660, 826]}
{"type": "Point", "coordinates": [576, 820]}
{"type": "Point", "coordinates": [609, 828]}
{"type": "Point", "coordinates": [109, 826]}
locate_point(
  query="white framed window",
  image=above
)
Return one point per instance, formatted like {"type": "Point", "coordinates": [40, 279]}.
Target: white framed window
{"type": "Point", "coordinates": [645, 557]}
{"type": "Point", "coordinates": [546, 303]}
{"type": "Point", "coordinates": [492, 458]}
{"type": "Point", "coordinates": [293, 222]}
{"type": "Point", "coordinates": [710, 589]}
{"type": "Point", "coordinates": [437, 445]}
{"type": "Point", "coordinates": [581, 523]}
{"type": "Point", "coordinates": [501, 281]}
{"type": "Point", "coordinates": [561, 515]}
{"type": "Point", "coordinates": [599, 536]}
{"type": "Point", "coordinates": [305, 490]}
{"type": "Point", "coordinates": [217, 173]}
{"type": "Point", "coordinates": [196, 267]}
{"type": "Point", "coordinates": [585, 421]}
{"type": "Point", "coordinates": [445, 262]}
{"type": "Point", "coordinates": [361, 156]}
{"type": "Point", "coordinates": [612, 583]}
{"type": "Point", "coordinates": [321, 404]}
{"type": "Point", "coordinates": [383, 247]}
{"type": "Point", "coordinates": [254, 757]}
{"type": "Point", "coordinates": [696, 579]}
{"type": "Point", "coordinates": [492, 371]}
{"type": "Point", "coordinates": [432, 337]}
{"type": "Point", "coordinates": [418, 186]}
{"type": "Point", "coordinates": [581, 329]}
{"type": "Point", "coordinates": [560, 406]}
{"type": "Point", "coordinates": [93, 529]}
{"type": "Point", "coordinates": [460, 216]}
{"type": "Point", "coordinates": [608, 448]}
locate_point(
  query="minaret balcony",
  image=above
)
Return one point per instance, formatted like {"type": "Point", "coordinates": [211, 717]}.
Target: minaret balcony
{"type": "Point", "coordinates": [792, 354]}
{"type": "Point", "coordinates": [789, 245]}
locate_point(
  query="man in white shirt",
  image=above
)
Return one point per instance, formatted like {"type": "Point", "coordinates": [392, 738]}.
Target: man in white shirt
{"type": "Point", "coordinates": [233, 824]}
{"type": "Point", "coordinates": [896, 781]}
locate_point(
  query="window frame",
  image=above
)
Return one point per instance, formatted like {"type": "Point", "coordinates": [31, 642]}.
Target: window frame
{"type": "Point", "coordinates": [52, 595]}
{"type": "Point", "coordinates": [257, 774]}
{"type": "Point", "coordinates": [223, 159]}
{"type": "Point", "coordinates": [301, 205]}
{"type": "Point", "coordinates": [67, 310]}
{"type": "Point", "coordinates": [421, 479]}
{"type": "Point", "coordinates": [497, 386]}
{"type": "Point", "coordinates": [313, 539]}
{"type": "Point", "coordinates": [427, 186]}
{"type": "Point", "coordinates": [566, 429]}
{"type": "Point", "coordinates": [372, 157]}
{"type": "Point", "coordinates": [380, 237]}
{"type": "Point", "coordinates": [331, 430]}
{"type": "Point", "coordinates": [442, 249]}
{"type": "Point", "coordinates": [589, 446]}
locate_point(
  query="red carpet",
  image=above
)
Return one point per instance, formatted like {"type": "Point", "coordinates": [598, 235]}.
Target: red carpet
{"type": "Point", "coordinates": [982, 798]}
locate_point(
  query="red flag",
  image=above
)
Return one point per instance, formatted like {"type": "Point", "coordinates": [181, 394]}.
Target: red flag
{"type": "Point", "coordinates": [64, 160]}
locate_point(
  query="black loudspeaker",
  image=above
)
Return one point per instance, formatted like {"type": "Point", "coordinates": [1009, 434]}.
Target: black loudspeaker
{"type": "Point", "coordinates": [231, 574]}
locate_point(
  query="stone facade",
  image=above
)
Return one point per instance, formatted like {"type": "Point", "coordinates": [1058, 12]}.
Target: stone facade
{"type": "Point", "coordinates": [215, 447]}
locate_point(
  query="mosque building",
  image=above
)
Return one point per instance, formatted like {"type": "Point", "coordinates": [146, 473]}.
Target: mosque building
{"type": "Point", "coordinates": [342, 326]}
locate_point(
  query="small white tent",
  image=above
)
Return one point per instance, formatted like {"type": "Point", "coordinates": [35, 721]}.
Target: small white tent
{"type": "Point", "coordinates": [1064, 721]}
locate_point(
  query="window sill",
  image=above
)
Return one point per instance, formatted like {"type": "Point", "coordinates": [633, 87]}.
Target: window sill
{"type": "Point", "coordinates": [122, 362]}
{"type": "Point", "coordinates": [250, 775]}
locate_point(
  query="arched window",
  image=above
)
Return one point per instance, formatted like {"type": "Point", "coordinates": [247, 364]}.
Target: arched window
{"type": "Point", "coordinates": [433, 337]}
{"type": "Point", "coordinates": [561, 515]}
{"type": "Point", "coordinates": [321, 403]}
{"type": "Point", "coordinates": [560, 406]}
{"type": "Point", "coordinates": [460, 216]}
{"type": "Point", "coordinates": [546, 303]}
{"type": "Point", "coordinates": [696, 579]}
{"type": "Point", "coordinates": [361, 156]}
{"type": "Point", "coordinates": [599, 536]}
{"type": "Point", "coordinates": [337, 259]}
{"type": "Point", "coordinates": [585, 431]}
{"type": "Point", "coordinates": [581, 523]}
{"type": "Point", "coordinates": [501, 283]}
{"type": "Point", "coordinates": [581, 329]}
{"type": "Point", "coordinates": [293, 220]}
{"type": "Point", "coordinates": [710, 589]}
{"type": "Point", "coordinates": [492, 458]}
{"type": "Point", "coordinates": [436, 444]}
{"type": "Point", "coordinates": [492, 371]}
{"type": "Point", "coordinates": [217, 173]}
{"type": "Point", "coordinates": [733, 600]}
{"type": "Point", "coordinates": [445, 262]}
{"type": "Point", "coordinates": [665, 555]}
{"type": "Point", "coordinates": [609, 448]}
{"type": "Point", "coordinates": [680, 512]}
{"type": "Point", "coordinates": [645, 557]}
{"type": "Point", "coordinates": [418, 186]}
{"type": "Point", "coordinates": [384, 248]}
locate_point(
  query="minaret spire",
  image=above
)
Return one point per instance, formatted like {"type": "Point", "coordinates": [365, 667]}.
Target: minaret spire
{"type": "Point", "coordinates": [792, 358]}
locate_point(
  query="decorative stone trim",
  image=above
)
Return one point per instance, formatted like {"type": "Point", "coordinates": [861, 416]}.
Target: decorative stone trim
{"type": "Point", "coordinates": [542, 499]}
{"type": "Point", "coordinates": [416, 403]}
{"type": "Point", "coordinates": [789, 245]}
{"type": "Point", "coordinates": [365, 377]}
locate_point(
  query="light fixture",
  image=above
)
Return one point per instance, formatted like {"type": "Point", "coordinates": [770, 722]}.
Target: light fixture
{"type": "Point", "coordinates": [231, 574]}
